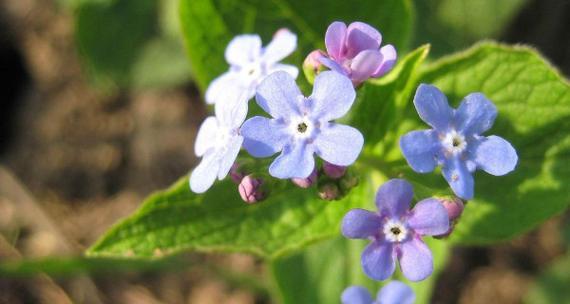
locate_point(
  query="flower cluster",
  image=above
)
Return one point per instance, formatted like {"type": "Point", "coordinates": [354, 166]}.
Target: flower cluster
{"type": "Point", "coordinates": [297, 128]}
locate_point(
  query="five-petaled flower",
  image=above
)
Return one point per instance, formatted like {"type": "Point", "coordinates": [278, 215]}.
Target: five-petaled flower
{"type": "Point", "coordinates": [355, 51]}
{"type": "Point", "coordinates": [250, 63]}
{"type": "Point", "coordinates": [396, 231]}
{"type": "Point", "coordinates": [394, 292]}
{"type": "Point", "coordinates": [455, 141]}
{"type": "Point", "coordinates": [301, 126]}
{"type": "Point", "coordinates": [218, 143]}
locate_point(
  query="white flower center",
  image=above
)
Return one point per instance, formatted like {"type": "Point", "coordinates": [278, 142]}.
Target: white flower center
{"type": "Point", "coordinates": [223, 136]}
{"type": "Point", "coordinates": [395, 231]}
{"type": "Point", "coordinates": [302, 127]}
{"type": "Point", "coordinates": [252, 72]}
{"type": "Point", "coordinates": [454, 142]}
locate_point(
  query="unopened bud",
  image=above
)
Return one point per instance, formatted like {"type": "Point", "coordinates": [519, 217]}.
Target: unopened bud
{"type": "Point", "coordinates": [348, 182]}
{"type": "Point", "coordinates": [312, 65]}
{"type": "Point", "coordinates": [329, 192]}
{"type": "Point", "coordinates": [306, 182]}
{"type": "Point", "coordinates": [235, 174]}
{"type": "Point", "coordinates": [251, 189]}
{"type": "Point", "coordinates": [333, 171]}
{"type": "Point", "coordinates": [454, 207]}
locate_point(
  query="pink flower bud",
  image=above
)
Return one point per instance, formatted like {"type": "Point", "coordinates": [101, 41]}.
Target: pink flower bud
{"type": "Point", "coordinates": [329, 192]}
{"type": "Point", "coordinates": [454, 207]}
{"type": "Point", "coordinates": [333, 171]}
{"type": "Point", "coordinates": [312, 65]}
{"type": "Point", "coordinates": [250, 189]}
{"type": "Point", "coordinates": [306, 182]}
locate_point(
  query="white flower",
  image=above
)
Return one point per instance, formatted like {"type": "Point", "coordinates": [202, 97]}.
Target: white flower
{"type": "Point", "coordinates": [250, 63]}
{"type": "Point", "coordinates": [218, 143]}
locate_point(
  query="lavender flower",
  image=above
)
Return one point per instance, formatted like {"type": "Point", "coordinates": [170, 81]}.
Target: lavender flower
{"type": "Point", "coordinates": [394, 292]}
{"type": "Point", "coordinates": [455, 142]}
{"type": "Point", "coordinates": [249, 64]}
{"type": "Point", "coordinates": [396, 232]}
{"type": "Point", "coordinates": [218, 143]}
{"type": "Point", "coordinates": [355, 51]}
{"type": "Point", "coordinates": [301, 126]}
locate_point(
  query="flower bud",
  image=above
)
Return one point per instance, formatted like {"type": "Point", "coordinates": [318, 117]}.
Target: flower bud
{"type": "Point", "coordinates": [454, 207]}
{"type": "Point", "coordinates": [348, 182]}
{"type": "Point", "coordinates": [235, 173]}
{"type": "Point", "coordinates": [333, 171]}
{"type": "Point", "coordinates": [329, 192]}
{"type": "Point", "coordinates": [251, 190]}
{"type": "Point", "coordinates": [306, 182]}
{"type": "Point", "coordinates": [312, 65]}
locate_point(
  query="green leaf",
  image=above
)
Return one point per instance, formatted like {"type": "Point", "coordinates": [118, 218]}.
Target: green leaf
{"type": "Point", "coordinates": [177, 219]}
{"type": "Point", "coordinates": [533, 101]}
{"type": "Point", "coordinates": [122, 43]}
{"type": "Point", "coordinates": [321, 273]}
{"type": "Point", "coordinates": [208, 25]}
{"type": "Point", "coordinates": [552, 285]}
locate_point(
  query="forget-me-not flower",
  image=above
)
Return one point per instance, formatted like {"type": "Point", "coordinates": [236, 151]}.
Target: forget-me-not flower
{"type": "Point", "coordinates": [455, 142]}
{"type": "Point", "coordinates": [396, 231]}
{"type": "Point", "coordinates": [218, 143]}
{"type": "Point", "coordinates": [301, 126]}
{"type": "Point", "coordinates": [394, 292]}
{"type": "Point", "coordinates": [250, 63]}
{"type": "Point", "coordinates": [355, 51]}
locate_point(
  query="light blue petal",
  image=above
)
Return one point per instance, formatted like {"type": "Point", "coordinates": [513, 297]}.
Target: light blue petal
{"type": "Point", "coordinates": [394, 197]}
{"type": "Point", "coordinates": [263, 137]}
{"type": "Point", "coordinates": [459, 177]}
{"type": "Point", "coordinates": [204, 175]}
{"type": "Point", "coordinates": [429, 217]}
{"type": "Point", "coordinates": [243, 49]}
{"type": "Point", "coordinates": [229, 156]}
{"type": "Point", "coordinates": [339, 144]}
{"type": "Point", "coordinates": [223, 87]}
{"type": "Point", "coordinates": [356, 295]}
{"type": "Point", "coordinates": [378, 260]}
{"type": "Point", "coordinates": [333, 95]}
{"type": "Point", "coordinates": [361, 224]}
{"type": "Point", "coordinates": [396, 292]}
{"type": "Point", "coordinates": [290, 69]}
{"type": "Point", "coordinates": [495, 155]}
{"type": "Point", "coordinates": [420, 149]}
{"type": "Point", "coordinates": [475, 115]}
{"type": "Point", "coordinates": [284, 43]}
{"type": "Point", "coordinates": [295, 161]}
{"type": "Point", "coordinates": [416, 260]}
{"type": "Point", "coordinates": [279, 95]}
{"type": "Point", "coordinates": [432, 106]}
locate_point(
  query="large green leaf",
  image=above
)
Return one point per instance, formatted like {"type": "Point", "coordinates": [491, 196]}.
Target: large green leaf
{"type": "Point", "coordinates": [208, 25]}
{"type": "Point", "coordinates": [533, 101]}
{"type": "Point", "coordinates": [320, 273]}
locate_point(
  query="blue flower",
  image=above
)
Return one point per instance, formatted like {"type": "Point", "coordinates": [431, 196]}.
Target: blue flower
{"type": "Point", "coordinates": [455, 142]}
{"type": "Point", "coordinates": [396, 232]}
{"type": "Point", "coordinates": [394, 292]}
{"type": "Point", "coordinates": [301, 126]}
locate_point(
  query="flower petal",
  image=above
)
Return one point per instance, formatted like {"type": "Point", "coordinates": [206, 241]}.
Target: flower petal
{"type": "Point", "coordinates": [277, 94]}
{"type": "Point", "coordinates": [204, 175]}
{"type": "Point", "coordinates": [432, 107]}
{"type": "Point", "coordinates": [356, 295]}
{"type": "Point", "coordinates": [360, 224]}
{"type": "Point", "coordinates": [231, 113]}
{"type": "Point", "coordinates": [475, 115]}
{"type": "Point", "coordinates": [429, 217]}
{"type": "Point", "coordinates": [284, 43]}
{"type": "Point", "coordinates": [495, 155]}
{"type": "Point", "coordinates": [206, 134]}
{"type": "Point", "coordinates": [229, 156]}
{"type": "Point", "coordinates": [339, 144]}
{"type": "Point", "coordinates": [263, 136]}
{"type": "Point", "coordinates": [389, 57]}
{"type": "Point", "coordinates": [334, 39]}
{"type": "Point", "coordinates": [396, 292]}
{"type": "Point", "coordinates": [378, 260]}
{"type": "Point", "coordinates": [295, 161]}
{"type": "Point", "coordinates": [459, 178]}
{"type": "Point", "coordinates": [361, 36]}
{"type": "Point", "coordinates": [332, 65]}
{"type": "Point", "coordinates": [333, 95]}
{"type": "Point", "coordinates": [364, 65]}
{"type": "Point", "coordinates": [420, 149]}
{"type": "Point", "coordinates": [394, 197]}
{"type": "Point", "coordinates": [290, 69]}
{"type": "Point", "coordinates": [416, 260]}
{"type": "Point", "coordinates": [243, 49]}
{"type": "Point", "coordinates": [222, 88]}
